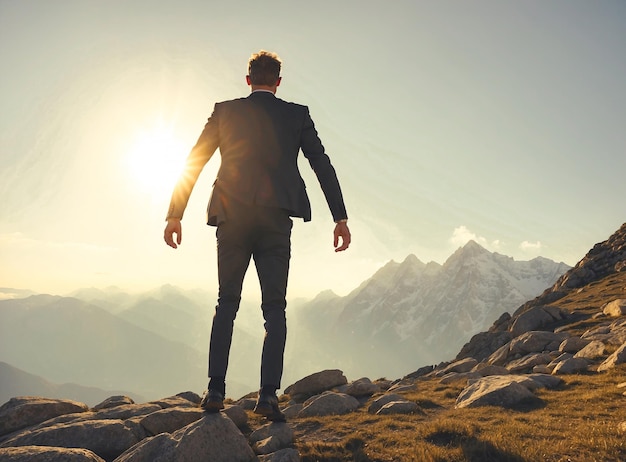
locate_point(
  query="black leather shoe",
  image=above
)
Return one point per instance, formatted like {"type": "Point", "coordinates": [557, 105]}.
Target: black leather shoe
{"type": "Point", "coordinates": [267, 405]}
{"type": "Point", "coordinates": [212, 401]}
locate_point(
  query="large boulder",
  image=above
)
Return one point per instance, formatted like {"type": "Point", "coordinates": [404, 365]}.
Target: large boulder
{"type": "Point", "coordinates": [537, 341]}
{"type": "Point", "coordinates": [214, 437]}
{"type": "Point", "coordinates": [316, 383]}
{"type": "Point", "coordinates": [536, 318]}
{"type": "Point", "coordinates": [25, 411]}
{"type": "Point", "coordinates": [329, 403]}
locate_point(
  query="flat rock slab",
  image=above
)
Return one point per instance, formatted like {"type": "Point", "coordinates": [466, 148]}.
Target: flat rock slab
{"type": "Point", "coordinates": [502, 391]}
{"type": "Point", "coordinates": [317, 383]}
{"type": "Point", "coordinates": [25, 411]}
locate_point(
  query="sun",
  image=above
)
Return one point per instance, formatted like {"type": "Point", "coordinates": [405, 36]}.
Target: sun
{"type": "Point", "coordinates": [155, 160]}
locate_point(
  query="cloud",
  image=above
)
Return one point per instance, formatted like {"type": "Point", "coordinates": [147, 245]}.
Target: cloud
{"type": "Point", "coordinates": [461, 236]}
{"type": "Point", "coordinates": [530, 246]}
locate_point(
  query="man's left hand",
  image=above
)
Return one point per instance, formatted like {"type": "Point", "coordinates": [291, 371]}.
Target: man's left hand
{"type": "Point", "coordinates": [341, 231]}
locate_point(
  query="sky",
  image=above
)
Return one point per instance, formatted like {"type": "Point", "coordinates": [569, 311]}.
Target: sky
{"type": "Point", "coordinates": [493, 120]}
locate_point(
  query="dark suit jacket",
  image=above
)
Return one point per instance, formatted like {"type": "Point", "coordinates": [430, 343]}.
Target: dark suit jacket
{"type": "Point", "coordinates": [259, 138]}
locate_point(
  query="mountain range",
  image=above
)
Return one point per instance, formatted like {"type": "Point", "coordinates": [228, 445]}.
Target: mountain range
{"type": "Point", "coordinates": [155, 343]}
{"type": "Point", "coordinates": [412, 313]}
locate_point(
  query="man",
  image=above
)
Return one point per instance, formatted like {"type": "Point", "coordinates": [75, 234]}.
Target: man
{"type": "Point", "coordinates": [257, 190]}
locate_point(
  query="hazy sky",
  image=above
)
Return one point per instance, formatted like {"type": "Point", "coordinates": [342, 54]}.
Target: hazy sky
{"type": "Point", "coordinates": [501, 121]}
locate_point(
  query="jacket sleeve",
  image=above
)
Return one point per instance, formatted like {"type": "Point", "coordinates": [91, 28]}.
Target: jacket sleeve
{"type": "Point", "coordinates": [313, 150]}
{"type": "Point", "coordinates": [198, 157]}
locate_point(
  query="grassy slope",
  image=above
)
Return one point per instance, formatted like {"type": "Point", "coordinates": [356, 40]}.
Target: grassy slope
{"type": "Point", "coordinates": [578, 421]}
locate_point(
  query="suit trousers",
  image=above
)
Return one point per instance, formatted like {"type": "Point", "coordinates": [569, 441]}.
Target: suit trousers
{"type": "Point", "coordinates": [263, 234]}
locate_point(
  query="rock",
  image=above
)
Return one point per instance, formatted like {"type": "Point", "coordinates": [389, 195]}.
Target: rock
{"type": "Point", "coordinates": [597, 333]}
{"type": "Point", "coordinates": [47, 454]}
{"type": "Point", "coordinates": [246, 403]}
{"type": "Point", "coordinates": [544, 381]}
{"type": "Point", "coordinates": [536, 342]}
{"type": "Point", "coordinates": [293, 410]}
{"type": "Point", "coordinates": [542, 369]}
{"type": "Point", "coordinates": [487, 369]}
{"type": "Point", "coordinates": [594, 349]}
{"type": "Point", "coordinates": [316, 383]}
{"type": "Point", "coordinates": [535, 318]}
{"type": "Point", "coordinates": [463, 365]}
{"type": "Point", "coordinates": [618, 357]}
{"type": "Point", "coordinates": [495, 391]}
{"type": "Point", "coordinates": [362, 387]}
{"type": "Point", "coordinates": [214, 437]}
{"type": "Point", "coordinates": [615, 308]}
{"type": "Point", "coordinates": [528, 362]}
{"type": "Point", "coordinates": [176, 401]}
{"type": "Point", "coordinates": [530, 381]}
{"type": "Point", "coordinates": [458, 376]}
{"type": "Point", "coordinates": [284, 455]}
{"type": "Point", "coordinates": [126, 411]}
{"type": "Point", "coordinates": [169, 420]}
{"type": "Point", "coordinates": [329, 403]}
{"type": "Point", "coordinates": [379, 402]}
{"type": "Point", "coordinates": [422, 371]}
{"type": "Point", "coordinates": [500, 356]}
{"type": "Point", "coordinates": [402, 387]}
{"type": "Point", "coordinates": [25, 411]}
{"type": "Point", "coordinates": [484, 344]}
{"type": "Point", "coordinates": [399, 407]}
{"type": "Point", "coordinates": [573, 345]}
{"type": "Point", "coordinates": [272, 437]}
{"type": "Point", "coordinates": [237, 414]}
{"type": "Point", "coordinates": [107, 438]}
{"type": "Point", "coordinates": [113, 401]}
{"type": "Point", "coordinates": [190, 396]}
{"type": "Point", "coordinates": [571, 366]}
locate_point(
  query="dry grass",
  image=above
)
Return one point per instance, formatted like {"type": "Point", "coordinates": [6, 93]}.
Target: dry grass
{"type": "Point", "coordinates": [577, 422]}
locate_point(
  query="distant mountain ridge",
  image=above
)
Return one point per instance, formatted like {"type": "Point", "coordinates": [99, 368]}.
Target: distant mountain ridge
{"type": "Point", "coordinates": [416, 313]}
{"type": "Point", "coordinates": [16, 382]}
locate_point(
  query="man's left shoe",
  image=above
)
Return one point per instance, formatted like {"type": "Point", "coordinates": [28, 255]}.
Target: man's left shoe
{"type": "Point", "coordinates": [267, 405]}
{"type": "Point", "coordinates": [212, 401]}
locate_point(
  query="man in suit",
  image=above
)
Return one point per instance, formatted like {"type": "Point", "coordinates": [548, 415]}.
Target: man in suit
{"type": "Point", "coordinates": [257, 190]}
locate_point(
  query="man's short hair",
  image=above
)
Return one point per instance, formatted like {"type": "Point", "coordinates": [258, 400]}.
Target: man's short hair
{"type": "Point", "coordinates": [264, 68]}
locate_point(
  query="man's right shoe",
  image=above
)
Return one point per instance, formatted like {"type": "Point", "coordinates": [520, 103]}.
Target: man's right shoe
{"type": "Point", "coordinates": [267, 405]}
{"type": "Point", "coordinates": [212, 401]}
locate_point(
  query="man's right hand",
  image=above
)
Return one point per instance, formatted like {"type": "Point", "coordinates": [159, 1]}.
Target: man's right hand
{"type": "Point", "coordinates": [173, 227]}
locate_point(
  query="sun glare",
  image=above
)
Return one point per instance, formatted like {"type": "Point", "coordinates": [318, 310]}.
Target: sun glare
{"type": "Point", "coordinates": [155, 160]}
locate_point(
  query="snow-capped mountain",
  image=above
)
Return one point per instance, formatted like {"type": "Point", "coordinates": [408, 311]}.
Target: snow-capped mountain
{"type": "Point", "coordinates": [412, 313]}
